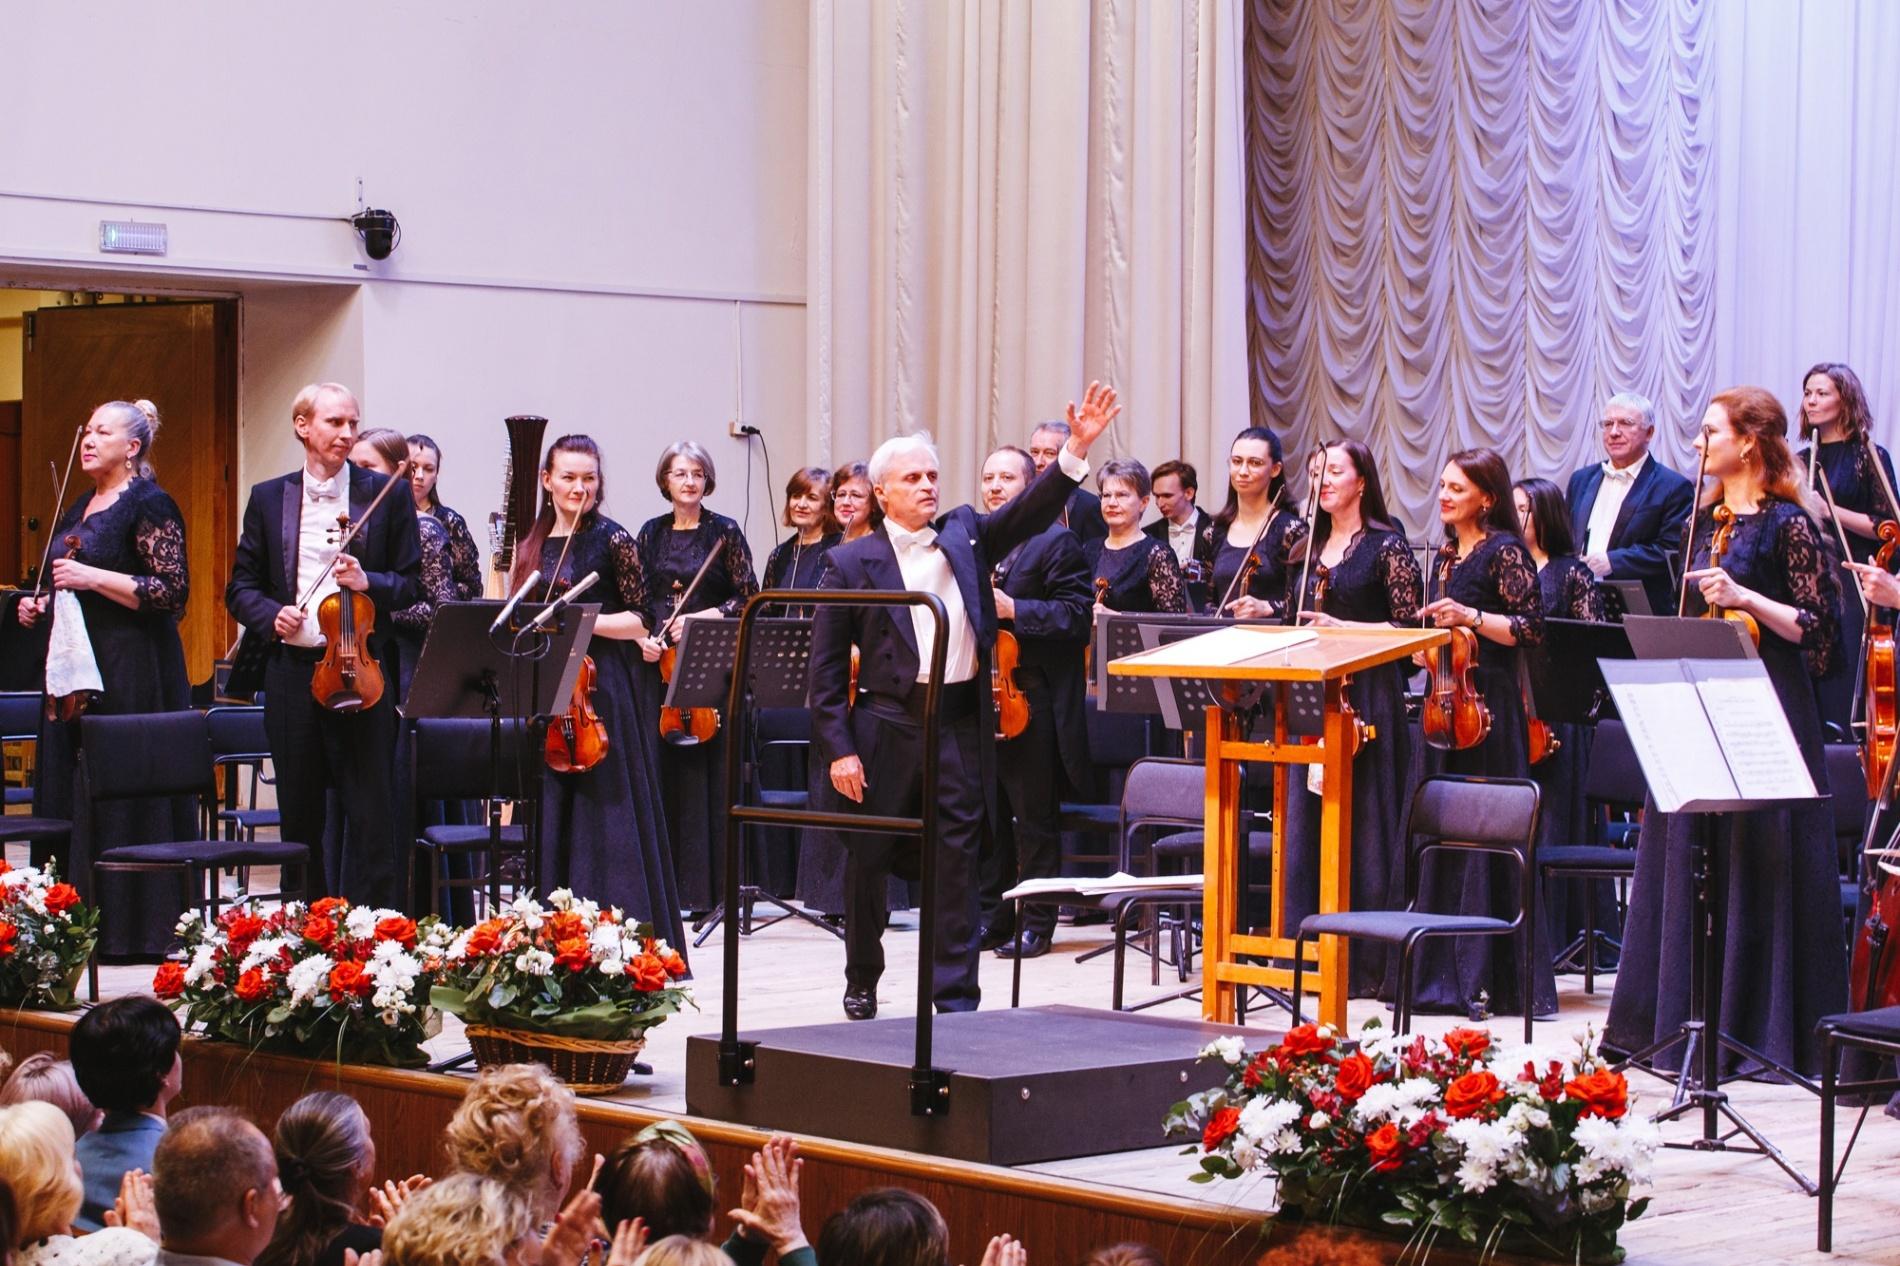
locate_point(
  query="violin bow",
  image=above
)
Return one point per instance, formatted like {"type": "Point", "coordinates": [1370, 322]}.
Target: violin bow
{"type": "Point", "coordinates": [59, 503]}
{"type": "Point", "coordinates": [1312, 533]}
{"type": "Point", "coordinates": [719, 547]}
{"type": "Point", "coordinates": [1273, 508]}
{"type": "Point", "coordinates": [1688, 532]}
{"type": "Point", "coordinates": [349, 536]}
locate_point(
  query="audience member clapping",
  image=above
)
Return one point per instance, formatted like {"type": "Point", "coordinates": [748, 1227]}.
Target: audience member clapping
{"type": "Point", "coordinates": [517, 1126]}
{"type": "Point", "coordinates": [125, 1055]}
{"type": "Point", "coordinates": [45, 1078]}
{"type": "Point", "coordinates": [326, 1164]}
{"type": "Point", "coordinates": [37, 1164]}
{"type": "Point", "coordinates": [661, 1177]}
{"type": "Point", "coordinates": [214, 1182]}
{"type": "Point", "coordinates": [894, 1227]}
{"type": "Point", "coordinates": [464, 1220]}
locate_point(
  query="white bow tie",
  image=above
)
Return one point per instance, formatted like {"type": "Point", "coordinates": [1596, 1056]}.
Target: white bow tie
{"type": "Point", "coordinates": [1626, 475]}
{"type": "Point", "coordinates": [321, 489]}
{"type": "Point", "coordinates": [922, 538]}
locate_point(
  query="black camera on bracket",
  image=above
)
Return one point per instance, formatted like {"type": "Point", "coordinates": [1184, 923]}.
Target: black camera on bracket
{"type": "Point", "coordinates": [379, 230]}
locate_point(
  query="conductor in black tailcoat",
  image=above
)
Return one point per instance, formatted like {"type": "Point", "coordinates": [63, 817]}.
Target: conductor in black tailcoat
{"type": "Point", "coordinates": [290, 535]}
{"type": "Point", "coordinates": [1628, 511]}
{"type": "Point", "coordinates": [1041, 590]}
{"type": "Point", "coordinates": [875, 750]}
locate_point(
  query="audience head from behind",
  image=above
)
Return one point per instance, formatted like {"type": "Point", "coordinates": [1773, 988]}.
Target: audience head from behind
{"type": "Point", "coordinates": [125, 1055]}
{"type": "Point", "coordinates": [325, 1159]}
{"type": "Point", "coordinates": [683, 1250]}
{"type": "Point", "coordinates": [36, 1162]}
{"type": "Point", "coordinates": [9, 1222]}
{"type": "Point", "coordinates": [45, 1078]}
{"type": "Point", "coordinates": [214, 1182]}
{"type": "Point", "coordinates": [1125, 1254]}
{"type": "Point", "coordinates": [886, 1227]}
{"type": "Point", "coordinates": [517, 1126]}
{"type": "Point", "coordinates": [463, 1220]}
{"type": "Point", "coordinates": [663, 1176]}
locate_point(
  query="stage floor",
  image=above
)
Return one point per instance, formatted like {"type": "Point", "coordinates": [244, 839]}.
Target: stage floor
{"type": "Point", "coordinates": [1707, 1208]}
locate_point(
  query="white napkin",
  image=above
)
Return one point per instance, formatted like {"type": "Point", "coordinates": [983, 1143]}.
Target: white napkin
{"type": "Point", "coordinates": [70, 664]}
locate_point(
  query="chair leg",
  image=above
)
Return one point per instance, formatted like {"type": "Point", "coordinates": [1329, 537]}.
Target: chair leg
{"type": "Point", "coordinates": [1527, 975]}
{"type": "Point", "coordinates": [1401, 1008]}
{"type": "Point", "coordinates": [1824, 1221]}
{"type": "Point", "coordinates": [1299, 975]}
{"type": "Point", "coordinates": [1121, 956]}
{"type": "Point", "coordinates": [1589, 937]}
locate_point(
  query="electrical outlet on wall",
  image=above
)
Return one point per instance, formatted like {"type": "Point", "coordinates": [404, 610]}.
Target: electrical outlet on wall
{"type": "Point", "coordinates": [739, 430]}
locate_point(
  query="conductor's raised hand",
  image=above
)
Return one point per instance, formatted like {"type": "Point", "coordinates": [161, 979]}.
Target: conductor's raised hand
{"type": "Point", "coordinates": [847, 775]}
{"type": "Point", "coordinates": [1088, 420]}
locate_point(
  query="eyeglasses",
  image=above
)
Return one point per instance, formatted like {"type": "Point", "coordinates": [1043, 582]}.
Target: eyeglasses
{"type": "Point", "coordinates": [1619, 424]}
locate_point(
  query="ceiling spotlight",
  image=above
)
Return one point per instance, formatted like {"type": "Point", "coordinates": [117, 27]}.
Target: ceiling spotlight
{"type": "Point", "coordinates": [379, 230]}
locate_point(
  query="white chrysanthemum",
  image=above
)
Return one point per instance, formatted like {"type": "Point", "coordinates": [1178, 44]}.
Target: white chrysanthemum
{"type": "Point", "coordinates": [1243, 1152]}
{"type": "Point", "coordinates": [25, 876]}
{"type": "Point", "coordinates": [263, 950]}
{"type": "Point", "coordinates": [535, 962]}
{"type": "Point", "coordinates": [605, 940]}
{"type": "Point", "coordinates": [35, 899]}
{"type": "Point", "coordinates": [529, 911]}
{"type": "Point", "coordinates": [1611, 1147]}
{"type": "Point", "coordinates": [561, 898]}
{"type": "Point", "coordinates": [1525, 1116]}
{"type": "Point", "coordinates": [1405, 1102]}
{"type": "Point", "coordinates": [1268, 1122]}
{"type": "Point", "coordinates": [588, 910]}
{"type": "Point", "coordinates": [613, 967]}
{"type": "Point", "coordinates": [360, 923]}
{"type": "Point", "coordinates": [458, 948]}
{"type": "Point", "coordinates": [203, 959]}
{"type": "Point", "coordinates": [1486, 1145]}
{"type": "Point", "coordinates": [308, 979]}
{"type": "Point", "coordinates": [1229, 1050]}
{"type": "Point", "coordinates": [439, 935]}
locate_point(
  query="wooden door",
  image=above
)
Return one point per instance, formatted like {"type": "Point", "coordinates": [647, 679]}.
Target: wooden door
{"type": "Point", "coordinates": [183, 358]}
{"type": "Point", "coordinates": [10, 492]}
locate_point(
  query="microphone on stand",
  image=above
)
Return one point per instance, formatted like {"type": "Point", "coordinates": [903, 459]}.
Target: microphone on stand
{"type": "Point", "coordinates": [508, 607]}
{"type": "Point", "coordinates": [564, 601]}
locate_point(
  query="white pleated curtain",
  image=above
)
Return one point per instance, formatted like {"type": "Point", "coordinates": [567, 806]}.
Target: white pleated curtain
{"type": "Point", "coordinates": [1010, 198]}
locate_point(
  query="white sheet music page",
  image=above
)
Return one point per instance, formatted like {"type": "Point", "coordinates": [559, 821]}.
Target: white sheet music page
{"type": "Point", "coordinates": [1762, 755]}
{"type": "Point", "coordinates": [1225, 647]}
{"type": "Point", "coordinates": [1674, 743]}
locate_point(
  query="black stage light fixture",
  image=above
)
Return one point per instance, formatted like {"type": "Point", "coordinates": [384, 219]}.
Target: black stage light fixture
{"type": "Point", "coordinates": [379, 230]}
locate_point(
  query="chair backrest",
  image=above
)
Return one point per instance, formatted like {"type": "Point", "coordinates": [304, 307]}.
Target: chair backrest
{"type": "Point", "coordinates": [784, 725]}
{"type": "Point", "coordinates": [19, 715]}
{"type": "Point", "coordinates": [154, 754]}
{"type": "Point", "coordinates": [1847, 789]}
{"type": "Point", "coordinates": [237, 732]}
{"type": "Point", "coordinates": [1164, 789]}
{"type": "Point", "coordinates": [1615, 776]}
{"type": "Point", "coordinates": [1496, 814]}
{"type": "Point", "coordinates": [452, 760]}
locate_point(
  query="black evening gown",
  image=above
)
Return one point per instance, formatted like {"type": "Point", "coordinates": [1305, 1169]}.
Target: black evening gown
{"type": "Point", "coordinates": [465, 561]}
{"type": "Point", "coordinates": [1856, 486]}
{"type": "Point", "coordinates": [1778, 888]}
{"type": "Point", "coordinates": [142, 666]}
{"type": "Point", "coordinates": [1499, 578]}
{"type": "Point", "coordinates": [1277, 544]}
{"type": "Point", "coordinates": [1138, 578]}
{"type": "Point", "coordinates": [1377, 581]}
{"type": "Point", "coordinates": [603, 832]}
{"type": "Point", "coordinates": [694, 777]}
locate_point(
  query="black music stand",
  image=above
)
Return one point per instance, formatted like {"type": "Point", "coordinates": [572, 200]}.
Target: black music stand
{"type": "Point", "coordinates": [1718, 824]}
{"type": "Point", "coordinates": [1182, 702]}
{"type": "Point", "coordinates": [1577, 695]}
{"type": "Point", "coordinates": [776, 677]}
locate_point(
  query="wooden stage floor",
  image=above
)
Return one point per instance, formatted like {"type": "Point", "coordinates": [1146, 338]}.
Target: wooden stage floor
{"type": "Point", "coordinates": [1707, 1208]}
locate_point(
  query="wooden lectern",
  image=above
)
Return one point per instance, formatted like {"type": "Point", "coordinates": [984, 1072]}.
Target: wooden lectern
{"type": "Point", "coordinates": [1327, 660]}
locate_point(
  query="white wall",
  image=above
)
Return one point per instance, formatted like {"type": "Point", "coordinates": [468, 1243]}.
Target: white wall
{"type": "Point", "coordinates": [594, 198]}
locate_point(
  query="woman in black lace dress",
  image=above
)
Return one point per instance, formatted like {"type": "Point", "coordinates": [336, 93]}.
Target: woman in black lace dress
{"type": "Point", "coordinates": [1132, 572]}
{"type": "Point", "coordinates": [672, 547]}
{"type": "Point", "coordinates": [1363, 575]}
{"type": "Point", "coordinates": [603, 832]}
{"type": "Point", "coordinates": [465, 561]}
{"type": "Point", "coordinates": [1255, 525]}
{"type": "Point", "coordinates": [120, 549]}
{"type": "Point", "coordinates": [1777, 891]}
{"type": "Point", "coordinates": [1483, 579]}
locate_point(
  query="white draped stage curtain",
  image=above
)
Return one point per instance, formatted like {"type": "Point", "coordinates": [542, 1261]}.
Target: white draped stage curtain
{"type": "Point", "coordinates": [1009, 198]}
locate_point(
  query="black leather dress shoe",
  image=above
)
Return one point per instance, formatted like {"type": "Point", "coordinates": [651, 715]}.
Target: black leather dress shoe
{"type": "Point", "coordinates": [1035, 945]}
{"type": "Point", "coordinates": [997, 935]}
{"type": "Point", "coordinates": [860, 1004]}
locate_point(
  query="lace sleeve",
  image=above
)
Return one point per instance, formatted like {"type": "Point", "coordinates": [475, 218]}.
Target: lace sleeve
{"type": "Point", "coordinates": [1514, 578]}
{"type": "Point", "coordinates": [1814, 587]}
{"type": "Point", "coordinates": [1582, 599]}
{"type": "Point", "coordinates": [465, 560]}
{"type": "Point", "coordinates": [1404, 583]}
{"type": "Point", "coordinates": [775, 566]}
{"type": "Point", "coordinates": [436, 577]}
{"type": "Point", "coordinates": [630, 577]}
{"type": "Point", "coordinates": [159, 538]}
{"type": "Point", "coordinates": [739, 572]}
{"type": "Point", "coordinates": [1167, 587]}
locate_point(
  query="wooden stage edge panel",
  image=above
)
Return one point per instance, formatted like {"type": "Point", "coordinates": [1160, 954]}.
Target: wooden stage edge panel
{"type": "Point", "coordinates": [1059, 1220]}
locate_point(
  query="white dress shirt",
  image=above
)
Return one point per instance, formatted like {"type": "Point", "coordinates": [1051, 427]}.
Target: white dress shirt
{"type": "Point", "coordinates": [1181, 538]}
{"type": "Point", "coordinates": [323, 501]}
{"type": "Point", "coordinates": [1611, 494]}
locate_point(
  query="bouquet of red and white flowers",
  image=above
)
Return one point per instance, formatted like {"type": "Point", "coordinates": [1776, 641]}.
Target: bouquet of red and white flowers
{"type": "Point", "coordinates": [46, 936]}
{"type": "Point", "coordinates": [324, 979]}
{"type": "Point", "coordinates": [569, 968]}
{"type": "Point", "coordinates": [1520, 1148]}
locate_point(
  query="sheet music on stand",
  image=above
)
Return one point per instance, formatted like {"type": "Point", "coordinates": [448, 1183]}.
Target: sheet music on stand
{"type": "Point", "coordinates": [1710, 734]}
{"type": "Point", "coordinates": [1182, 702]}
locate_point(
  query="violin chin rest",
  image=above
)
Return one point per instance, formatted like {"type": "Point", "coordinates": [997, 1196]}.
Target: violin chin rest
{"type": "Point", "coordinates": [344, 701]}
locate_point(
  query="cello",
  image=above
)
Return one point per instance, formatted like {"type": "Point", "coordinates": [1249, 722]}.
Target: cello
{"type": "Point", "coordinates": [684, 727]}
{"type": "Point", "coordinates": [348, 678]}
{"type": "Point", "coordinates": [1453, 713]}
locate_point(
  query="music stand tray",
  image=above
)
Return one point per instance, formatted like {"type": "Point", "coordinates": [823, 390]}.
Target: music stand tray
{"type": "Point", "coordinates": [1576, 693]}
{"type": "Point", "coordinates": [1687, 637]}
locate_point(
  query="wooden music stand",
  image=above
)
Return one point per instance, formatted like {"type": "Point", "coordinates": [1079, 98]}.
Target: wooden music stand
{"type": "Point", "coordinates": [1326, 660]}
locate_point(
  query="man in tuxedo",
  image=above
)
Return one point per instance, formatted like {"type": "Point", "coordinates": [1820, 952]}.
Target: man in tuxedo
{"type": "Point", "coordinates": [290, 535]}
{"type": "Point", "coordinates": [1082, 514]}
{"type": "Point", "coordinates": [1042, 595]}
{"type": "Point", "coordinates": [874, 745]}
{"type": "Point", "coordinates": [1628, 511]}
{"type": "Point", "coordinates": [1187, 529]}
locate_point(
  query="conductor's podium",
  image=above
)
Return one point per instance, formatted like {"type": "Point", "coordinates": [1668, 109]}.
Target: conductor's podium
{"type": "Point", "coordinates": [1324, 658]}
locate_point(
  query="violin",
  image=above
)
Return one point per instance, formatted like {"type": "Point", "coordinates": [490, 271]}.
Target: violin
{"type": "Point", "coordinates": [1358, 732]}
{"type": "Point", "coordinates": [69, 707]}
{"type": "Point", "coordinates": [685, 727]}
{"type": "Point", "coordinates": [1088, 652]}
{"type": "Point", "coordinates": [348, 678]}
{"type": "Point", "coordinates": [577, 739]}
{"type": "Point", "coordinates": [1542, 740]}
{"type": "Point", "coordinates": [1012, 705]}
{"type": "Point", "coordinates": [1454, 715]}
{"type": "Point", "coordinates": [1718, 546]}
{"type": "Point", "coordinates": [1877, 669]}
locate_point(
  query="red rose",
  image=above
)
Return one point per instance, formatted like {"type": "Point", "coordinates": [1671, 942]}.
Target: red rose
{"type": "Point", "coordinates": [170, 980]}
{"type": "Point", "coordinates": [565, 925]}
{"type": "Point", "coordinates": [4, 867]}
{"type": "Point", "coordinates": [1386, 1147]}
{"type": "Point", "coordinates": [348, 979]}
{"type": "Point", "coordinates": [1472, 1093]}
{"type": "Point", "coordinates": [1219, 1127]}
{"type": "Point", "coordinates": [241, 930]}
{"type": "Point", "coordinates": [648, 972]}
{"type": "Point", "coordinates": [1355, 1077]}
{"type": "Point", "coordinates": [1602, 1094]}
{"type": "Point", "coordinates": [486, 938]}
{"type": "Point", "coordinates": [398, 929]}
{"type": "Point", "coordinates": [1259, 1068]}
{"type": "Point", "coordinates": [8, 933]}
{"type": "Point", "coordinates": [574, 954]}
{"type": "Point", "coordinates": [319, 930]}
{"type": "Point", "coordinates": [1468, 1043]}
{"type": "Point", "coordinates": [1301, 1041]}
{"type": "Point", "coordinates": [329, 907]}
{"type": "Point", "coordinates": [675, 965]}
{"type": "Point", "coordinates": [61, 898]}
{"type": "Point", "coordinates": [252, 986]}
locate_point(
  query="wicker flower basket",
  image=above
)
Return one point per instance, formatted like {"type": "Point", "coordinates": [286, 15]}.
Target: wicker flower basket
{"type": "Point", "coordinates": [588, 1067]}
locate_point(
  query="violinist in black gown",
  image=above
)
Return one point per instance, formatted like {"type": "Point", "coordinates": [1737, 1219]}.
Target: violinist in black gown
{"type": "Point", "coordinates": [128, 571]}
{"type": "Point", "coordinates": [672, 546]}
{"type": "Point", "coordinates": [383, 450]}
{"type": "Point", "coordinates": [1131, 571]}
{"type": "Point", "coordinates": [1255, 533]}
{"type": "Point", "coordinates": [1836, 418]}
{"type": "Point", "coordinates": [603, 830]}
{"type": "Point", "coordinates": [1777, 887]}
{"type": "Point", "coordinates": [798, 561]}
{"type": "Point", "coordinates": [465, 561]}
{"type": "Point", "coordinates": [1041, 590]}
{"type": "Point", "coordinates": [1483, 579]}
{"type": "Point", "coordinates": [1362, 574]}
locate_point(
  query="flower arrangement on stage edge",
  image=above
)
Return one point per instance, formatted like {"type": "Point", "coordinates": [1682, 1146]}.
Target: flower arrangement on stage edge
{"type": "Point", "coordinates": [46, 935]}
{"type": "Point", "coordinates": [569, 984]}
{"type": "Point", "coordinates": [324, 980]}
{"type": "Point", "coordinates": [1505, 1149]}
